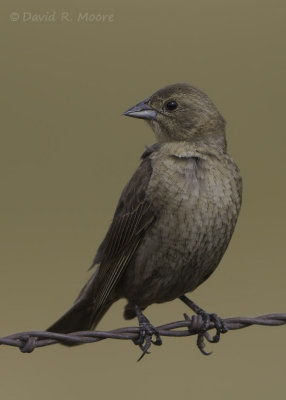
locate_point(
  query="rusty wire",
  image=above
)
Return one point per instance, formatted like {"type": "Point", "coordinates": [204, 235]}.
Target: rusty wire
{"type": "Point", "coordinates": [29, 341]}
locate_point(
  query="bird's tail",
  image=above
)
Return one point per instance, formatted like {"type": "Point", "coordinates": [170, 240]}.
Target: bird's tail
{"type": "Point", "coordinates": [84, 315]}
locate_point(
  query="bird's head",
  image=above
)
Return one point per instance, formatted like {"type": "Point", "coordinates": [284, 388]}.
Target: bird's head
{"type": "Point", "coordinates": [181, 112]}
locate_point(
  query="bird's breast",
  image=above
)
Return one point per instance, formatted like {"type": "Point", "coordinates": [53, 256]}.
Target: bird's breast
{"type": "Point", "coordinates": [196, 203]}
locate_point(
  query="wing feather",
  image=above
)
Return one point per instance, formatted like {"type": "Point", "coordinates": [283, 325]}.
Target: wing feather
{"type": "Point", "coordinates": [133, 217]}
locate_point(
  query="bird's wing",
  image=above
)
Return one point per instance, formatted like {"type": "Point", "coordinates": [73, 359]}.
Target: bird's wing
{"type": "Point", "coordinates": [132, 218]}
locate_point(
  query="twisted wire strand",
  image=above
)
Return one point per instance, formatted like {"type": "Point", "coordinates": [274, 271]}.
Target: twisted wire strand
{"type": "Point", "coordinates": [29, 341]}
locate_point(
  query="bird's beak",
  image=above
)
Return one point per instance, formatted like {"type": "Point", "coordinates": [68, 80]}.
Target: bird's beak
{"type": "Point", "coordinates": [142, 110]}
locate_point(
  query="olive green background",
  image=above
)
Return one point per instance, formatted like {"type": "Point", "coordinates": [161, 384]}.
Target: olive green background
{"type": "Point", "coordinates": [66, 153]}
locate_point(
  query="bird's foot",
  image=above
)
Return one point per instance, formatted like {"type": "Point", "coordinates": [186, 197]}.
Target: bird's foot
{"type": "Point", "coordinates": [207, 319]}
{"type": "Point", "coordinates": [146, 333]}
{"type": "Point", "coordinates": [219, 325]}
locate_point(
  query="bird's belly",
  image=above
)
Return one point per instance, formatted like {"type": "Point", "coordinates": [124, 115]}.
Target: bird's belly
{"type": "Point", "coordinates": [196, 217]}
{"type": "Point", "coordinates": [180, 251]}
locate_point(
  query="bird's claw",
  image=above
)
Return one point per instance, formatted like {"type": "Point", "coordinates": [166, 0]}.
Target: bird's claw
{"type": "Point", "coordinates": [219, 325]}
{"type": "Point", "coordinates": [201, 344]}
{"type": "Point", "coordinates": [202, 320]}
{"type": "Point", "coordinates": [146, 333]}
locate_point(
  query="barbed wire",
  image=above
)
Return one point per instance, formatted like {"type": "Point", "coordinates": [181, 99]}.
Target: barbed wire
{"type": "Point", "coordinates": [29, 341]}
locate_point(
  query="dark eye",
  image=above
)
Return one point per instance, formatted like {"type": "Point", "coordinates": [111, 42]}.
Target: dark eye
{"type": "Point", "coordinates": [171, 105]}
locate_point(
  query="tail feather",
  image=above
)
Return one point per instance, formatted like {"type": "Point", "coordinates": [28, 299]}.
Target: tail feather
{"type": "Point", "coordinates": [79, 318]}
{"type": "Point", "coordinates": [83, 315]}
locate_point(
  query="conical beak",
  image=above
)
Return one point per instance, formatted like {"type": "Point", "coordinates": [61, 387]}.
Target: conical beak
{"type": "Point", "coordinates": [141, 110]}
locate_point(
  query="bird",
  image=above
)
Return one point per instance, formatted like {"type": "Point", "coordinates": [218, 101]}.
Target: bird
{"type": "Point", "coordinates": [174, 219]}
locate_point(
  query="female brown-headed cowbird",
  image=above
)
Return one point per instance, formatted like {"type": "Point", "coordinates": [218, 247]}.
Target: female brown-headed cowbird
{"type": "Point", "coordinates": [174, 219]}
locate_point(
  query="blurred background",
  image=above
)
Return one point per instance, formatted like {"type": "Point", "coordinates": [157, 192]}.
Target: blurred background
{"type": "Point", "coordinates": [68, 73]}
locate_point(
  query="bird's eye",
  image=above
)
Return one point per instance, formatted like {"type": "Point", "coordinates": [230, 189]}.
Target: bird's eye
{"type": "Point", "coordinates": [171, 105]}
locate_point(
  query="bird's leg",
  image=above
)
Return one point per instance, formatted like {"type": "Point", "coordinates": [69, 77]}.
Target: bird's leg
{"type": "Point", "coordinates": [146, 332]}
{"type": "Point", "coordinates": [219, 324]}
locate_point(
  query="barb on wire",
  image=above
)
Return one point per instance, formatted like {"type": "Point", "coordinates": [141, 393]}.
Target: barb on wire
{"type": "Point", "coordinates": [29, 341]}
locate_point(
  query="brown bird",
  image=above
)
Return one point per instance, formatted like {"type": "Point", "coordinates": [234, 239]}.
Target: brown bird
{"type": "Point", "coordinates": [174, 219]}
